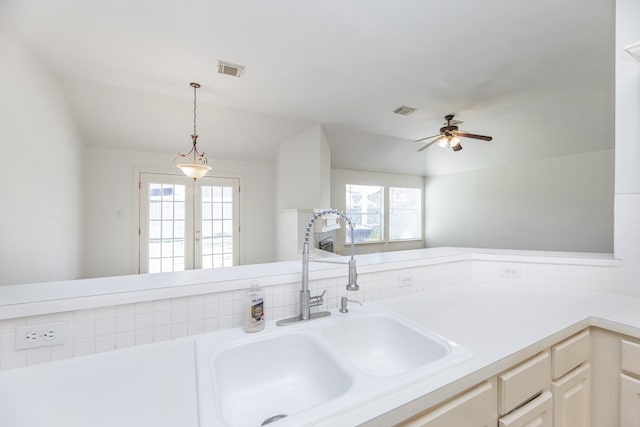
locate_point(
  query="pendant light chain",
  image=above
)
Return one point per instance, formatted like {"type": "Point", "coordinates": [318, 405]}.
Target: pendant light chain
{"type": "Point", "coordinates": [195, 88]}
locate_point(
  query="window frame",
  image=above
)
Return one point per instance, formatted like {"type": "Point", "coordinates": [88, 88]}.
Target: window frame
{"type": "Point", "coordinates": [420, 213]}
{"type": "Point", "coordinates": [381, 213]}
{"type": "Point", "coordinates": [385, 220]}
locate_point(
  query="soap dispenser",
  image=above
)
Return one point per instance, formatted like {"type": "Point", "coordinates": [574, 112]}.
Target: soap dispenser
{"type": "Point", "coordinates": [254, 316]}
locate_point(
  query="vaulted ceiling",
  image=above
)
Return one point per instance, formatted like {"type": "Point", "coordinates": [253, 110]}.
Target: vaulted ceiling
{"type": "Point", "coordinates": [536, 75]}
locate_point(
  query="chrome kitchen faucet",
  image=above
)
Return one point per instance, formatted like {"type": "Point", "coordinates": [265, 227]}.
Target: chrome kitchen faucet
{"type": "Point", "coordinates": [306, 300]}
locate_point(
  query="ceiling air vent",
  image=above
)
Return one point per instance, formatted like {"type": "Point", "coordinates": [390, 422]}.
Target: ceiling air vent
{"type": "Point", "coordinates": [230, 69]}
{"type": "Point", "coordinates": [404, 110]}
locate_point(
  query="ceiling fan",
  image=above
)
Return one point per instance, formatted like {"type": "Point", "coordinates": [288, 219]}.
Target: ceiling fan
{"type": "Point", "coordinates": [449, 136]}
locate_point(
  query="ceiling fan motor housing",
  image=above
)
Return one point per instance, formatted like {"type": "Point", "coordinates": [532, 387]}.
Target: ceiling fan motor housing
{"type": "Point", "coordinates": [446, 130]}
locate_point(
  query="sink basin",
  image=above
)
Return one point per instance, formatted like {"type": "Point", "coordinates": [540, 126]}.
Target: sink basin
{"type": "Point", "coordinates": [306, 371]}
{"type": "Point", "coordinates": [277, 376]}
{"type": "Point", "coordinates": [384, 346]}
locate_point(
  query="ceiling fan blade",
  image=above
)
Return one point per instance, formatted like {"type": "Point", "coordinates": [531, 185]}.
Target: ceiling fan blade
{"type": "Point", "coordinates": [424, 139]}
{"type": "Point", "coordinates": [471, 135]}
{"type": "Point", "coordinates": [424, 147]}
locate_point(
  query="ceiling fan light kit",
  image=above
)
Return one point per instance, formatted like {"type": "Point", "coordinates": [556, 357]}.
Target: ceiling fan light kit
{"type": "Point", "coordinates": [449, 136]}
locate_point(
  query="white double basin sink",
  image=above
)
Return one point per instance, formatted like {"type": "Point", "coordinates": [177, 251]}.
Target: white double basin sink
{"type": "Point", "coordinates": [291, 375]}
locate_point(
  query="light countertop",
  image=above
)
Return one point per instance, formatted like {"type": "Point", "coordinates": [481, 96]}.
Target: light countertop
{"type": "Point", "coordinates": [155, 384]}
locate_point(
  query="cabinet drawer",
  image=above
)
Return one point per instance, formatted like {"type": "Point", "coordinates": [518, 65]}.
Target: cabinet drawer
{"type": "Point", "coordinates": [537, 413]}
{"type": "Point", "coordinates": [473, 408]}
{"type": "Point", "coordinates": [521, 383]}
{"type": "Point", "coordinates": [631, 357]}
{"type": "Point", "coordinates": [570, 354]}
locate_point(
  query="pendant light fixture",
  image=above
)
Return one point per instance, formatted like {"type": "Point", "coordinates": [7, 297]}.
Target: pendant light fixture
{"type": "Point", "coordinates": [193, 164]}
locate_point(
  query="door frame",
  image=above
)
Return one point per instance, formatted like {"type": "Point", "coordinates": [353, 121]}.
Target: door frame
{"type": "Point", "coordinates": [135, 232]}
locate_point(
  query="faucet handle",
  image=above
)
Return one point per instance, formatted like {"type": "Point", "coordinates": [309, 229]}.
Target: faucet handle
{"type": "Point", "coordinates": [317, 300]}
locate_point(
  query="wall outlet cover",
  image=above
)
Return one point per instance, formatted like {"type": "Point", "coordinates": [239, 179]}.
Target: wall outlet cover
{"type": "Point", "coordinates": [510, 271]}
{"type": "Point", "coordinates": [406, 279]}
{"type": "Point", "coordinates": [32, 336]}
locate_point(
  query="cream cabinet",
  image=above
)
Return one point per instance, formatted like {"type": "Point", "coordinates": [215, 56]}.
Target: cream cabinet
{"type": "Point", "coordinates": [538, 413]}
{"type": "Point", "coordinates": [550, 389]}
{"type": "Point", "coordinates": [474, 408]}
{"type": "Point", "coordinates": [524, 398]}
{"type": "Point", "coordinates": [630, 384]}
{"type": "Point", "coordinates": [629, 401]}
{"type": "Point", "coordinates": [572, 398]}
{"type": "Point", "coordinates": [571, 386]}
{"type": "Point", "coordinates": [523, 382]}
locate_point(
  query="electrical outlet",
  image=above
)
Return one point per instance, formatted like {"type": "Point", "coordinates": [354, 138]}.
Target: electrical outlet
{"type": "Point", "coordinates": [510, 271]}
{"type": "Point", "coordinates": [32, 336]}
{"type": "Point", "coordinates": [406, 279]}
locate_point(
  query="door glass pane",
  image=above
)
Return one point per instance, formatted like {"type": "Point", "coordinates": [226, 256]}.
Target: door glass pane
{"type": "Point", "coordinates": [364, 205]}
{"type": "Point", "coordinates": [217, 229]}
{"type": "Point", "coordinates": [216, 194]}
{"type": "Point", "coordinates": [405, 213]}
{"type": "Point", "coordinates": [166, 227]}
{"type": "Point", "coordinates": [155, 210]}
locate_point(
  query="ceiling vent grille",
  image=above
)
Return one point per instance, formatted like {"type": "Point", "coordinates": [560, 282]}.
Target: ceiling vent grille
{"type": "Point", "coordinates": [230, 69]}
{"type": "Point", "coordinates": [404, 110]}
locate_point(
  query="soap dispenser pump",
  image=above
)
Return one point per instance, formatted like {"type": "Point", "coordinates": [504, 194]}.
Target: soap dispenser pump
{"type": "Point", "coordinates": [254, 317]}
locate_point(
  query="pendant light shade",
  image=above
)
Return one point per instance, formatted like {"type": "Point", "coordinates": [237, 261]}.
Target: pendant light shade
{"type": "Point", "coordinates": [193, 164]}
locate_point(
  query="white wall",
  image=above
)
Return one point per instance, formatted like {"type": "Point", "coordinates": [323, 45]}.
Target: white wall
{"type": "Point", "coordinates": [627, 186]}
{"type": "Point", "coordinates": [627, 99]}
{"type": "Point", "coordinates": [302, 167]}
{"type": "Point", "coordinates": [558, 204]}
{"type": "Point", "coordinates": [325, 171]}
{"type": "Point", "coordinates": [40, 172]}
{"type": "Point", "coordinates": [341, 177]}
{"type": "Point", "coordinates": [303, 176]}
{"type": "Point", "coordinates": [109, 243]}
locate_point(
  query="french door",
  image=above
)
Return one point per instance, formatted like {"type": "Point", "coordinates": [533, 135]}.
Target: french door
{"type": "Point", "coordinates": [188, 225]}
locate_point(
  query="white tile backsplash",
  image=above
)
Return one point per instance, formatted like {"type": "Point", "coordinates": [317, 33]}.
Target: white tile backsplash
{"type": "Point", "coordinates": [114, 327]}
{"type": "Point", "coordinates": [125, 339]}
{"type": "Point", "coordinates": [105, 343]}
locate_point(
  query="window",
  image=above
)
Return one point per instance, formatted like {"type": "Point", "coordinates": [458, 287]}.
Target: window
{"type": "Point", "coordinates": [188, 225]}
{"type": "Point", "coordinates": [376, 221]}
{"type": "Point", "coordinates": [405, 213]}
{"type": "Point", "coordinates": [364, 206]}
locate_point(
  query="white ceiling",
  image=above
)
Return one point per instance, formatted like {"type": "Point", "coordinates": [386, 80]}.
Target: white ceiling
{"type": "Point", "coordinates": [535, 74]}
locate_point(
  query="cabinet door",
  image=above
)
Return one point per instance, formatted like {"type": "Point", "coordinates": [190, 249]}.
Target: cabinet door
{"type": "Point", "coordinates": [474, 408]}
{"type": "Point", "coordinates": [629, 401]}
{"type": "Point", "coordinates": [572, 398]}
{"type": "Point", "coordinates": [537, 413]}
